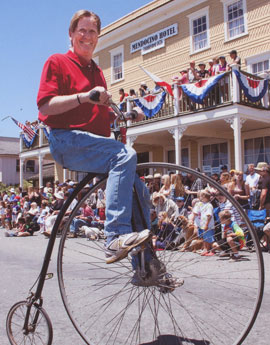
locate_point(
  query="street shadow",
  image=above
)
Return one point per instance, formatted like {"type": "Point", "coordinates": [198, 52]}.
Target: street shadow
{"type": "Point", "coordinates": [174, 340]}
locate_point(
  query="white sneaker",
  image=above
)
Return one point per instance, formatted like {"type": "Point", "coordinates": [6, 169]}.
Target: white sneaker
{"type": "Point", "coordinates": [119, 248]}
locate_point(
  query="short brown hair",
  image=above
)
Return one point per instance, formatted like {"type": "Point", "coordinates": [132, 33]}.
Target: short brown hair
{"type": "Point", "coordinates": [80, 14]}
{"type": "Point", "coordinates": [225, 215]}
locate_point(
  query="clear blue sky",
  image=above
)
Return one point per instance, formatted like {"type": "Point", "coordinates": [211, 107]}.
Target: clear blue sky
{"type": "Point", "coordinates": [30, 31]}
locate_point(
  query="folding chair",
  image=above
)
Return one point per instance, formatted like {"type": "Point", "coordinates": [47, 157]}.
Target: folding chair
{"type": "Point", "coordinates": [257, 218]}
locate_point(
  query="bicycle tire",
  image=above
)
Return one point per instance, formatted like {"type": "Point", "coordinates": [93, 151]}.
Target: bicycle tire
{"type": "Point", "coordinates": [42, 333]}
{"type": "Point", "coordinates": [215, 294]}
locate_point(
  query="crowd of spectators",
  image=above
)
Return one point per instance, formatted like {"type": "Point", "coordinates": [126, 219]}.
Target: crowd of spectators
{"type": "Point", "coordinates": [190, 74]}
{"type": "Point", "coordinates": [175, 198]}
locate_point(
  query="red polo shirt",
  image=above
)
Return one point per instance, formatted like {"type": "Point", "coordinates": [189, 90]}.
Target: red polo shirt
{"type": "Point", "coordinates": [63, 74]}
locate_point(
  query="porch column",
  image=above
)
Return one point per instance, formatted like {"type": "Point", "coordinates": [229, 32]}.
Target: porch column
{"type": "Point", "coordinates": [131, 140]}
{"type": "Point", "coordinates": [40, 133]}
{"type": "Point", "coordinates": [176, 98]}
{"type": "Point", "coordinates": [235, 85]}
{"type": "Point", "coordinates": [40, 170]}
{"type": "Point", "coordinates": [236, 123]}
{"type": "Point", "coordinates": [178, 133]}
{"type": "Point", "coordinates": [21, 172]}
{"type": "Point", "coordinates": [65, 174]}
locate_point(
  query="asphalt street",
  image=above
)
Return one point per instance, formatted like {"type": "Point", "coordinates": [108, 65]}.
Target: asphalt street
{"type": "Point", "coordinates": [21, 259]}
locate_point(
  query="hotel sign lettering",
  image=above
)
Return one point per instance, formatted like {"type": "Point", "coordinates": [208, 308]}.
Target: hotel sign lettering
{"type": "Point", "coordinates": [154, 41]}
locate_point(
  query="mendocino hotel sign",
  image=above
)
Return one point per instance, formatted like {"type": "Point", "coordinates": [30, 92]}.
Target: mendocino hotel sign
{"type": "Point", "coordinates": [154, 41]}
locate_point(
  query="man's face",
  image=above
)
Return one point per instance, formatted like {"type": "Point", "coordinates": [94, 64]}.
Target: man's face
{"type": "Point", "coordinates": [85, 37]}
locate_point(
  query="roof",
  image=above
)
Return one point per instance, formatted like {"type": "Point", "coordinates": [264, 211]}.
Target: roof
{"type": "Point", "coordinates": [9, 146]}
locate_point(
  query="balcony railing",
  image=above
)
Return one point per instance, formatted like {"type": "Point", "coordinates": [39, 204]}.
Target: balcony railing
{"type": "Point", "coordinates": [223, 94]}
{"type": "Point", "coordinates": [226, 92]}
{"type": "Point", "coordinates": [262, 103]}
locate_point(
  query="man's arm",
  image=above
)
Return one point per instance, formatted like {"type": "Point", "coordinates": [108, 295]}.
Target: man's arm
{"type": "Point", "coordinates": [61, 104]}
{"type": "Point", "coordinates": [262, 198]}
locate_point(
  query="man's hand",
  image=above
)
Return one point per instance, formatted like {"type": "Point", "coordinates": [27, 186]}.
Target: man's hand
{"type": "Point", "coordinates": [104, 96]}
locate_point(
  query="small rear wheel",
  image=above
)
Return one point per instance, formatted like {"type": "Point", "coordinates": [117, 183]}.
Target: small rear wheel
{"type": "Point", "coordinates": [39, 325]}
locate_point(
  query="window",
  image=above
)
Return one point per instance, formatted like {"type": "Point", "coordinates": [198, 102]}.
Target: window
{"type": "Point", "coordinates": [257, 150]}
{"type": "Point", "coordinates": [30, 166]}
{"type": "Point", "coordinates": [214, 156]}
{"type": "Point", "coordinates": [259, 64]}
{"type": "Point", "coordinates": [17, 165]}
{"type": "Point", "coordinates": [184, 157]}
{"type": "Point", "coordinates": [260, 67]}
{"type": "Point", "coordinates": [117, 64]}
{"type": "Point", "coordinates": [199, 30]}
{"type": "Point", "coordinates": [143, 157]}
{"type": "Point", "coordinates": [234, 18]}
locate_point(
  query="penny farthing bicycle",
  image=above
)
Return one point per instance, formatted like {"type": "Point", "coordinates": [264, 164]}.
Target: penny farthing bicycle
{"type": "Point", "coordinates": [217, 302]}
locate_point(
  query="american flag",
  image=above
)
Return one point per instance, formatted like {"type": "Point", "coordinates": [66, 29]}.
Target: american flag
{"type": "Point", "coordinates": [27, 130]}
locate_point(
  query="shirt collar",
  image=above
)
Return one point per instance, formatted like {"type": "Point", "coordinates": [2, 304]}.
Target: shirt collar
{"type": "Point", "coordinates": [70, 54]}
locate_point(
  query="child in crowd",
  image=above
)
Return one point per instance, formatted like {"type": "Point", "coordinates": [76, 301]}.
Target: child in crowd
{"type": "Point", "coordinates": [206, 230]}
{"type": "Point", "coordinates": [233, 234]}
{"type": "Point", "coordinates": [8, 212]}
{"type": "Point", "coordinates": [165, 232]}
{"type": "Point", "coordinates": [15, 211]}
{"type": "Point", "coordinates": [3, 213]}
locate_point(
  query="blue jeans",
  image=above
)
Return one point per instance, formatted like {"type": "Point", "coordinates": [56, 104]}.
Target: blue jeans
{"type": "Point", "coordinates": [77, 223]}
{"type": "Point", "coordinates": [83, 151]}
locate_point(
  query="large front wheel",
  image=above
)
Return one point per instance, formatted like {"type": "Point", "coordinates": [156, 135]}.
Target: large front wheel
{"type": "Point", "coordinates": [217, 303]}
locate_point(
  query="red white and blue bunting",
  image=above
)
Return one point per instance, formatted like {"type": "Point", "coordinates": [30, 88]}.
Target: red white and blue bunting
{"type": "Point", "coordinates": [151, 104]}
{"type": "Point", "coordinates": [199, 90]}
{"type": "Point", "coordinates": [254, 90]}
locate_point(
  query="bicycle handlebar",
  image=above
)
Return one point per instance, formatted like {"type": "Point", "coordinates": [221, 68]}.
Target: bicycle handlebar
{"type": "Point", "coordinates": [131, 115]}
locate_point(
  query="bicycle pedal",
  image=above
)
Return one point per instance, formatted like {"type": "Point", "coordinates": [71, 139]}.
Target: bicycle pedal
{"type": "Point", "coordinates": [135, 251]}
{"type": "Point", "coordinates": [49, 276]}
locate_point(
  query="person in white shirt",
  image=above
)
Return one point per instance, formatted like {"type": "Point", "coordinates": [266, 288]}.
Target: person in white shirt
{"type": "Point", "coordinates": [252, 181]}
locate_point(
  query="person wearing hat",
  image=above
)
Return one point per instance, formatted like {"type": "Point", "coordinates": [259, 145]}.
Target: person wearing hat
{"type": "Point", "coordinates": [202, 73]}
{"type": "Point", "coordinates": [12, 195]}
{"type": "Point", "coordinates": [162, 204]}
{"type": "Point", "coordinates": [180, 202]}
{"type": "Point", "coordinates": [143, 90]}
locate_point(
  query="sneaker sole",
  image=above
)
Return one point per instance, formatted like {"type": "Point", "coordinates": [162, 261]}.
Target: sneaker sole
{"type": "Point", "coordinates": [124, 252]}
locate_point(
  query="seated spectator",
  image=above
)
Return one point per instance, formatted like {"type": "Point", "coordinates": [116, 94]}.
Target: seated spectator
{"type": "Point", "coordinates": [8, 216]}
{"type": "Point", "coordinates": [85, 218]}
{"type": "Point", "coordinates": [192, 72]}
{"type": "Point", "coordinates": [15, 212]}
{"type": "Point", "coordinates": [233, 234]}
{"type": "Point", "coordinates": [163, 204]}
{"type": "Point", "coordinates": [154, 221]}
{"type": "Point", "coordinates": [2, 213]}
{"type": "Point", "coordinates": [235, 59]}
{"type": "Point", "coordinates": [180, 202]}
{"type": "Point", "coordinates": [165, 234]}
{"type": "Point", "coordinates": [202, 73]}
